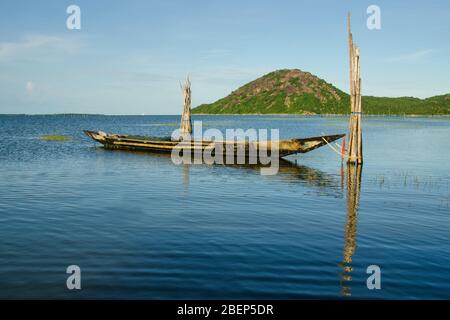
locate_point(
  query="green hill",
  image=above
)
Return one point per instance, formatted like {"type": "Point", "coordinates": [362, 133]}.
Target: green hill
{"type": "Point", "coordinates": [297, 92]}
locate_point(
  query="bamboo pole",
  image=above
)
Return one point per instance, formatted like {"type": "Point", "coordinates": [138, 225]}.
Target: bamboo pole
{"type": "Point", "coordinates": [186, 123]}
{"type": "Point", "coordinates": [350, 45]}
{"type": "Point", "coordinates": [360, 154]}
{"type": "Point", "coordinates": [354, 128]}
{"type": "Point", "coordinates": [355, 107]}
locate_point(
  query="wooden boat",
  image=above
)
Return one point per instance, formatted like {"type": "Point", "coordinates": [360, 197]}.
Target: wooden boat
{"type": "Point", "coordinates": [213, 148]}
{"type": "Point", "coordinates": [156, 144]}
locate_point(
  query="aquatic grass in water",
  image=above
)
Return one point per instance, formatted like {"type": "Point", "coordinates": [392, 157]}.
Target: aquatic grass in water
{"type": "Point", "coordinates": [47, 137]}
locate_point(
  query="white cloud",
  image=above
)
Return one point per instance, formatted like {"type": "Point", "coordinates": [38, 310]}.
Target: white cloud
{"type": "Point", "coordinates": [25, 47]}
{"type": "Point", "coordinates": [413, 56]}
{"type": "Point", "coordinates": [30, 86]}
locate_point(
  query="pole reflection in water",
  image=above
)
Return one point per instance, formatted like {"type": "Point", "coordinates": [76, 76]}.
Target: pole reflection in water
{"type": "Point", "coordinates": [353, 191]}
{"type": "Point", "coordinates": [186, 177]}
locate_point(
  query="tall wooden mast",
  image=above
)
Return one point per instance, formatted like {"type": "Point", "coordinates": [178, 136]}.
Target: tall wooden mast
{"type": "Point", "coordinates": [186, 124]}
{"type": "Point", "coordinates": [354, 129]}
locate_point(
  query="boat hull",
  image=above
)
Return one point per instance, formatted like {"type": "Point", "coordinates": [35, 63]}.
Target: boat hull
{"type": "Point", "coordinates": [281, 148]}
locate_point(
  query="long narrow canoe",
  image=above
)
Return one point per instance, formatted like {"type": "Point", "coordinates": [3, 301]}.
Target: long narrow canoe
{"type": "Point", "coordinates": [138, 143]}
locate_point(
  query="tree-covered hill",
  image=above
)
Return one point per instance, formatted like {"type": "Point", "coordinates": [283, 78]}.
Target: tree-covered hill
{"type": "Point", "coordinates": [297, 92]}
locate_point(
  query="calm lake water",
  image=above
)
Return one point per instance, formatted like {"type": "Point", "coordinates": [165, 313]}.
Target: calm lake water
{"type": "Point", "coordinates": [141, 227]}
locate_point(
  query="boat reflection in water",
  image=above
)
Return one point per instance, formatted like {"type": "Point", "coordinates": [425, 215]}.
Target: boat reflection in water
{"type": "Point", "coordinates": [288, 171]}
{"type": "Point", "coordinates": [353, 191]}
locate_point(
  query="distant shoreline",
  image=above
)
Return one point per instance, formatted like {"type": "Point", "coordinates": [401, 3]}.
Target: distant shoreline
{"type": "Point", "coordinates": [222, 114]}
{"type": "Point", "coordinates": [317, 115]}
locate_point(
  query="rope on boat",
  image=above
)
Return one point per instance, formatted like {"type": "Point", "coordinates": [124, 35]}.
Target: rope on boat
{"type": "Point", "coordinates": [332, 147]}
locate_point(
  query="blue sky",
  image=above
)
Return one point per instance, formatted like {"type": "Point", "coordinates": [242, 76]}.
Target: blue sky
{"type": "Point", "coordinates": [129, 56]}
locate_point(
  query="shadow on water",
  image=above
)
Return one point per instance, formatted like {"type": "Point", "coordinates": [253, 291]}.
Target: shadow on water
{"type": "Point", "coordinates": [353, 179]}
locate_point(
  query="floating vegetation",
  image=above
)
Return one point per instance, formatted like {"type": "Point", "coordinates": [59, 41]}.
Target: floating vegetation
{"type": "Point", "coordinates": [48, 137]}
{"type": "Point", "coordinates": [407, 180]}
